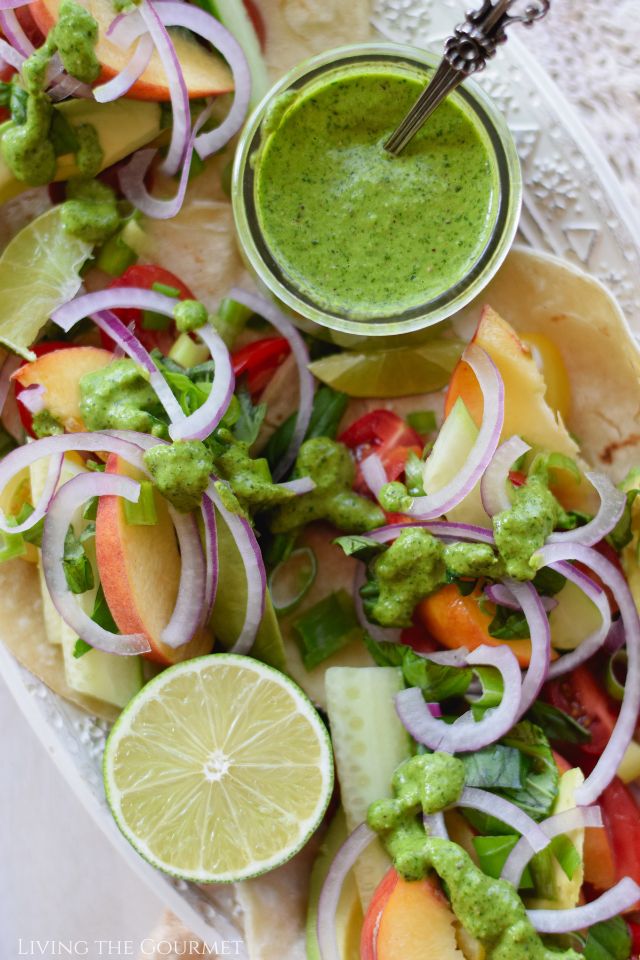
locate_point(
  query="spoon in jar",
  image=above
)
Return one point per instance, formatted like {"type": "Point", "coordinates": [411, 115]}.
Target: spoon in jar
{"type": "Point", "coordinates": [473, 43]}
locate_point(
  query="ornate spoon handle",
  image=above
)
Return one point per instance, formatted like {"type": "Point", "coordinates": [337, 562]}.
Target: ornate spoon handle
{"type": "Point", "coordinates": [473, 43]}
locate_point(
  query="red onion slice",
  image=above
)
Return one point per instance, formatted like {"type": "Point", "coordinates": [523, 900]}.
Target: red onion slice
{"type": "Point", "coordinates": [565, 822]}
{"type": "Point", "coordinates": [299, 486]}
{"type": "Point", "coordinates": [435, 504]}
{"type": "Point", "coordinates": [32, 398]}
{"type": "Point", "coordinates": [12, 4]}
{"type": "Point", "coordinates": [10, 55]}
{"type": "Point", "coordinates": [247, 545]}
{"type": "Point", "coordinates": [616, 637]}
{"type": "Point", "coordinates": [178, 93]}
{"type": "Point", "coordinates": [527, 596]}
{"type": "Point", "coordinates": [188, 613]}
{"type": "Point", "coordinates": [612, 504]}
{"type": "Point", "coordinates": [439, 528]}
{"type": "Point", "coordinates": [203, 421]}
{"type": "Point", "coordinates": [466, 735]}
{"type": "Point", "coordinates": [132, 178]}
{"type": "Point", "coordinates": [68, 499]}
{"type": "Point", "coordinates": [204, 25]}
{"type": "Point", "coordinates": [493, 486]}
{"type": "Point", "coordinates": [56, 447]}
{"type": "Point", "coordinates": [283, 325]}
{"type": "Point", "coordinates": [615, 901]}
{"type": "Point", "coordinates": [610, 759]}
{"type": "Point", "coordinates": [119, 85]}
{"type": "Point", "coordinates": [14, 33]}
{"type": "Point", "coordinates": [373, 473]}
{"type": "Point", "coordinates": [591, 644]}
{"type": "Point", "coordinates": [490, 803]}
{"type": "Point", "coordinates": [380, 634]}
{"type": "Point", "coordinates": [434, 824]}
{"type": "Point", "coordinates": [211, 555]}
{"type": "Point", "coordinates": [500, 594]}
{"type": "Point", "coordinates": [343, 862]}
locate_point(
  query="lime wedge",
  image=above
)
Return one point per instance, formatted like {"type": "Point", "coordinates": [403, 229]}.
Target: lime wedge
{"type": "Point", "coordinates": [398, 372]}
{"type": "Point", "coordinates": [39, 271]}
{"type": "Point", "coordinates": [219, 769]}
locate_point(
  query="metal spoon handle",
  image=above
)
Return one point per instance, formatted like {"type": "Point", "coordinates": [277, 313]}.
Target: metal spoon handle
{"type": "Point", "coordinates": [473, 43]}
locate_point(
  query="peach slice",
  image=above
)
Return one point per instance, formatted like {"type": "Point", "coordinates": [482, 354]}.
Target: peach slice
{"type": "Point", "coordinates": [139, 570]}
{"type": "Point", "coordinates": [205, 73]}
{"type": "Point", "coordinates": [412, 920]}
{"type": "Point", "coordinates": [59, 372]}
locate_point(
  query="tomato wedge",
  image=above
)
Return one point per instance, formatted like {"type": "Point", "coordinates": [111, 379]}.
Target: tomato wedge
{"type": "Point", "coordinates": [621, 816]}
{"type": "Point", "coordinates": [580, 696]}
{"type": "Point", "coordinates": [385, 433]}
{"type": "Point", "coordinates": [145, 276]}
{"type": "Point", "coordinates": [259, 360]}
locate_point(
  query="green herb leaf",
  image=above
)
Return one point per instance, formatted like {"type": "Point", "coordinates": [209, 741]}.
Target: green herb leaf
{"type": "Point", "coordinates": [437, 681]}
{"type": "Point", "coordinates": [33, 534]}
{"type": "Point", "coordinates": [493, 853]}
{"type": "Point", "coordinates": [557, 725]}
{"type": "Point", "coordinates": [81, 647]}
{"type": "Point", "coordinates": [422, 421]}
{"type": "Point", "coordinates": [508, 624]}
{"type": "Point", "coordinates": [76, 565]}
{"type": "Point", "coordinates": [247, 426]}
{"type": "Point", "coordinates": [90, 510]}
{"type": "Point", "coordinates": [364, 548]}
{"type": "Point", "coordinates": [610, 940]}
{"type": "Point", "coordinates": [328, 409]}
{"type": "Point", "coordinates": [101, 613]}
{"type": "Point", "coordinates": [495, 767]}
{"type": "Point", "coordinates": [326, 628]}
{"type": "Point", "coordinates": [622, 533]}
{"type": "Point", "coordinates": [62, 135]}
{"type": "Point", "coordinates": [548, 582]}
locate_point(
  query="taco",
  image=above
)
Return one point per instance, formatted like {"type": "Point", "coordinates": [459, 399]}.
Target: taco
{"type": "Point", "coordinates": [364, 619]}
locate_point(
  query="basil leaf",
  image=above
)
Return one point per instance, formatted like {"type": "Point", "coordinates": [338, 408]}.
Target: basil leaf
{"type": "Point", "coordinates": [326, 414]}
{"type": "Point", "coordinates": [247, 426]}
{"type": "Point", "coordinates": [437, 682]}
{"type": "Point", "coordinates": [326, 628]}
{"type": "Point", "coordinates": [101, 613]}
{"type": "Point", "coordinates": [548, 581]}
{"type": "Point", "coordinates": [81, 647]}
{"type": "Point", "coordinates": [610, 940]}
{"type": "Point", "coordinates": [76, 565]}
{"type": "Point", "coordinates": [508, 624]}
{"type": "Point", "coordinates": [364, 548]}
{"type": "Point", "coordinates": [557, 725]}
{"type": "Point", "coordinates": [495, 767]}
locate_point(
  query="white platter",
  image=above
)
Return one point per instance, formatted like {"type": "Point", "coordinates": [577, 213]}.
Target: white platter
{"type": "Point", "coordinates": [573, 208]}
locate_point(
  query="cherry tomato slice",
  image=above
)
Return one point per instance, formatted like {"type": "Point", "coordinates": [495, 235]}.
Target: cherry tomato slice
{"type": "Point", "coordinates": [621, 816]}
{"type": "Point", "coordinates": [47, 346]}
{"type": "Point", "coordinates": [579, 694]}
{"type": "Point", "coordinates": [259, 360]}
{"type": "Point", "coordinates": [144, 276]}
{"type": "Point", "coordinates": [385, 433]}
{"type": "Point", "coordinates": [257, 21]}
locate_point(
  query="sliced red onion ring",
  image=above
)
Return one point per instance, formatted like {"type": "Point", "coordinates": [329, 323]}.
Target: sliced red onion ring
{"type": "Point", "coordinates": [14, 33]}
{"type": "Point", "coordinates": [9, 365]}
{"type": "Point", "coordinates": [448, 658]}
{"type": "Point", "coordinates": [565, 822]}
{"type": "Point", "coordinates": [615, 901]}
{"type": "Point", "coordinates": [283, 325]}
{"type": "Point", "coordinates": [113, 298]}
{"type": "Point", "coordinates": [435, 504]}
{"type": "Point", "coordinates": [612, 504]}
{"type": "Point", "coordinates": [591, 644]}
{"type": "Point", "coordinates": [178, 93]}
{"type": "Point", "coordinates": [123, 81]}
{"type": "Point", "coordinates": [126, 28]}
{"type": "Point", "coordinates": [56, 447]}
{"type": "Point", "coordinates": [378, 633]}
{"type": "Point", "coordinates": [346, 857]}
{"type": "Point", "coordinates": [299, 486]}
{"type": "Point", "coordinates": [204, 25]}
{"type": "Point", "coordinates": [67, 87]}
{"type": "Point", "coordinates": [466, 735]}
{"type": "Point", "coordinates": [439, 528]}
{"type": "Point", "coordinates": [434, 824]}
{"type": "Point", "coordinates": [610, 759]}
{"type": "Point", "coordinates": [616, 637]}
{"type": "Point", "coordinates": [61, 510]}
{"type": "Point", "coordinates": [10, 55]}
{"type": "Point", "coordinates": [188, 613]}
{"type": "Point", "coordinates": [211, 555]}
{"type": "Point", "coordinates": [132, 178]}
{"type": "Point", "coordinates": [373, 473]}
{"type": "Point", "coordinates": [490, 803]}
{"type": "Point", "coordinates": [499, 593]}
{"type": "Point", "coordinates": [531, 605]}
{"type": "Point", "coordinates": [203, 421]}
{"type": "Point", "coordinates": [493, 486]}
{"type": "Point", "coordinates": [247, 545]}
{"type": "Point", "coordinates": [32, 399]}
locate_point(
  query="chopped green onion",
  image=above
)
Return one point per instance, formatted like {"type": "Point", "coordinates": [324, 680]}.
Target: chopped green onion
{"type": "Point", "coordinates": [115, 256]}
{"type": "Point", "coordinates": [290, 581]}
{"type": "Point", "coordinates": [230, 319]}
{"type": "Point", "coordinates": [134, 236]}
{"type": "Point", "coordinates": [13, 545]}
{"type": "Point", "coordinates": [165, 288]}
{"type": "Point", "coordinates": [492, 690]}
{"type": "Point", "coordinates": [143, 513]}
{"type": "Point", "coordinates": [492, 856]}
{"type": "Point", "coordinates": [187, 352]}
{"type": "Point", "coordinates": [326, 628]}
{"type": "Point", "coordinates": [422, 421]}
{"type": "Point", "coordinates": [616, 664]}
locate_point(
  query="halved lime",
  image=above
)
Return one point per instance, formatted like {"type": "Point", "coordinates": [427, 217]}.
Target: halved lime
{"type": "Point", "coordinates": [220, 769]}
{"type": "Point", "coordinates": [398, 372]}
{"type": "Point", "coordinates": [39, 271]}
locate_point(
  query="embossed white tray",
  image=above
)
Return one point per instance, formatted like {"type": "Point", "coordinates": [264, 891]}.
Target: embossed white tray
{"type": "Point", "coordinates": [573, 207]}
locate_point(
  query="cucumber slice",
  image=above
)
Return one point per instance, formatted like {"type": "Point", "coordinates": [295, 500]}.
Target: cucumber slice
{"type": "Point", "coordinates": [369, 742]}
{"type": "Point", "coordinates": [573, 619]}
{"type": "Point", "coordinates": [349, 913]}
{"type": "Point", "coordinates": [450, 452]}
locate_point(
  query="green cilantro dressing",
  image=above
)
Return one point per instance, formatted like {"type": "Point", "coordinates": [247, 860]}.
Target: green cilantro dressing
{"type": "Point", "coordinates": [181, 471]}
{"type": "Point", "coordinates": [44, 424]}
{"type": "Point", "coordinates": [524, 527]}
{"type": "Point", "coordinates": [490, 910]}
{"type": "Point", "coordinates": [117, 397]}
{"type": "Point", "coordinates": [354, 228]}
{"type": "Point", "coordinates": [90, 211]}
{"type": "Point", "coordinates": [250, 478]}
{"type": "Point", "coordinates": [189, 315]}
{"type": "Point", "coordinates": [330, 466]}
{"type": "Point", "coordinates": [30, 147]}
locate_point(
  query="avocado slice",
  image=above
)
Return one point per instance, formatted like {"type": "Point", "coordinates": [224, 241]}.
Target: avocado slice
{"type": "Point", "coordinates": [349, 914]}
{"type": "Point", "coordinates": [123, 126]}
{"type": "Point", "coordinates": [555, 889]}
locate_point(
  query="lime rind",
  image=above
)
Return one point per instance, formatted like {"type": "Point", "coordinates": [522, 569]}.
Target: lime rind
{"type": "Point", "coordinates": [305, 827]}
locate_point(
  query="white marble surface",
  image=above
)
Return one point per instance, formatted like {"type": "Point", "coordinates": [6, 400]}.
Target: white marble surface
{"type": "Point", "coordinates": [60, 879]}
